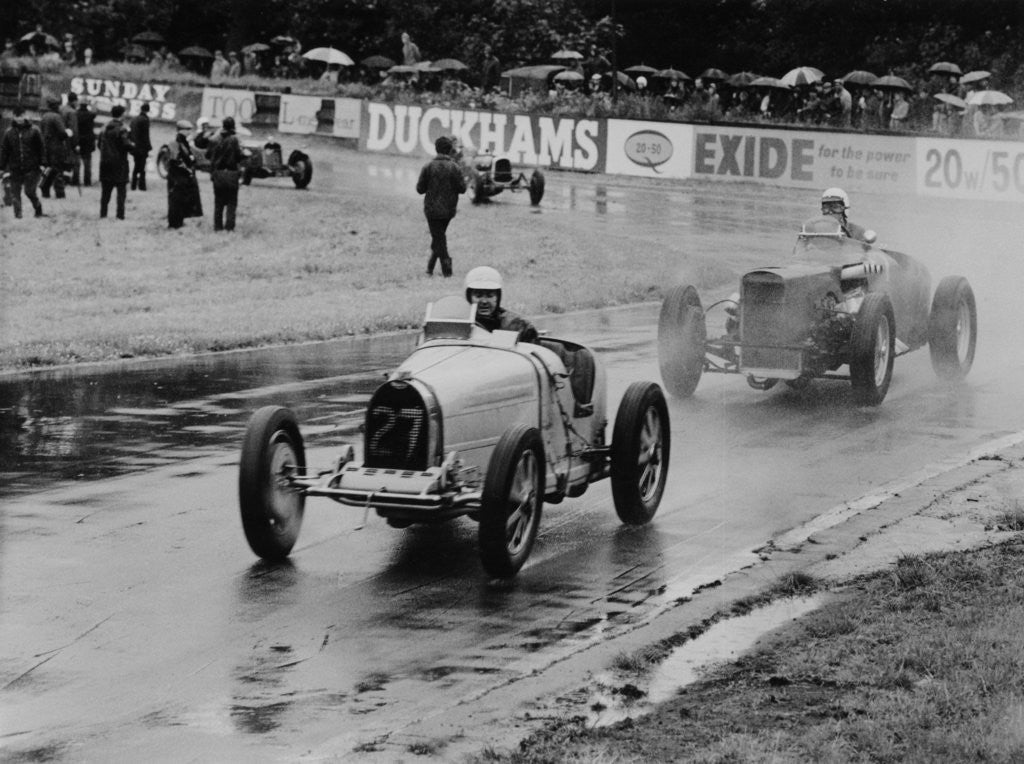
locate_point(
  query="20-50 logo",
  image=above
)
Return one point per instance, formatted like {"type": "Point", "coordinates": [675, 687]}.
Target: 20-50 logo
{"type": "Point", "coordinates": [948, 169]}
{"type": "Point", "coordinates": [648, 148]}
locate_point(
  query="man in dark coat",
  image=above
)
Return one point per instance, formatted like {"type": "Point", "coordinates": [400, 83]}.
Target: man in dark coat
{"type": "Point", "coordinates": [56, 149]}
{"type": "Point", "coordinates": [69, 113]}
{"type": "Point", "coordinates": [183, 200]}
{"type": "Point", "coordinates": [86, 138]}
{"type": "Point", "coordinates": [115, 145]}
{"type": "Point", "coordinates": [441, 181]}
{"type": "Point", "coordinates": [140, 138]}
{"type": "Point", "coordinates": [21, 157]}
{"type": "Point", "coordinates": [225, 157]}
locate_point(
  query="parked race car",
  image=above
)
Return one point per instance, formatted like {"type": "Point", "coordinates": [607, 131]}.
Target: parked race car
{"type": "Point", "coordinates": [840, 303]}
{"type": "Point", "coordinates": [260, 160]}
{"type": "Point", "coordinates": [489, 174]}
{"type": "Point", "coordinates": [474, 424]}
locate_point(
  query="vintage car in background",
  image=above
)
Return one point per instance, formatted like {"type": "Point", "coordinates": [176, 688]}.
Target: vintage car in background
{"type": "Point", "coordinates": [489, 174]}
{"type": "Point", "coordinates": [474, 424]}
{"type": "Point", "coordinates": [261, 159]}
{"type": "Point", "coordinates": [841, 302]}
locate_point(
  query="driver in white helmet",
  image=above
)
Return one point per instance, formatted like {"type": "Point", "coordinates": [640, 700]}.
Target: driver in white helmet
{"type": "Point", "coordinates": [835, 203]}
{"type": "Point", "coordinates": [483, 287]}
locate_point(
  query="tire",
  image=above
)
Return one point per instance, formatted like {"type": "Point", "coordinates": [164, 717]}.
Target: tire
{"type": "Point", "coordinates": [512, 500]}
{"type": "Point", "coordinates": [162, 158]}
{"type": "Point", "coordinates": [536, 187]}
{"type": "Point", "coordinates": [953, 328]}
{"type": "Point", "coordinates": [872, 350]}
{"type": "Point", "coordinates": [271, 512]}
{"type": "Point", "coordinates": [246, 176]}
{"type": "Point", "coordinates": [479, 189]}
{"type": "Point", "coordinates": [641, 441]}
{"type": "Point", "coordinates": [302, 169]}
{"type": "Point", "coordinates": [681, 337]}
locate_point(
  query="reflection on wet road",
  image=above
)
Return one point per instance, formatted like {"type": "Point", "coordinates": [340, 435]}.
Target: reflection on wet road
{"type": "Point", "coordinates": [130, 572]}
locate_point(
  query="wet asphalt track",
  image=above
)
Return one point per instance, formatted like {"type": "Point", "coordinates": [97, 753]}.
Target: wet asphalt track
{"type": "Point", "coordinates": [136, 623]}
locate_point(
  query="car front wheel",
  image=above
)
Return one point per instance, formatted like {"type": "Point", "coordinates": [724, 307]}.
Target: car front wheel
{"type": "Point", "coordinates": [511, 503]}
{"type": "Point", "coordinates": [271, 509]}
{"type": "Point", "coordinates": [639, 453]}
{"type": "Point", "coordinates": [953, 328]}
{"type": "Point", "coordinates": [302, 169]}
{"type": "Point", "coordinates": [163, 157]}
{"type": "Point", "coordinates": [681, 337]}
{"type": "Point", "coordinates": [873, 348]}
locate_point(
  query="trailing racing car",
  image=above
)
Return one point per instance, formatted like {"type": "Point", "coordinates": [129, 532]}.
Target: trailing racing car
{"type": "Point", "coordinates": [473, 423]}
{"type": "Point", "coordinates": [489, 174]}
{"type": "Point", "coordinates": [259, 160]}
{"type": "Point", "coordinates": [840, 303]}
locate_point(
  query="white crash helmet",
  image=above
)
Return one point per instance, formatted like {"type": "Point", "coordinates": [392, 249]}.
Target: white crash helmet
{"type": "Point", "coordinates": [835, 194]}
{"type": "Point", "coordinates": [483, 277]}
{"type": "Point", "coordinates": [641, 82]}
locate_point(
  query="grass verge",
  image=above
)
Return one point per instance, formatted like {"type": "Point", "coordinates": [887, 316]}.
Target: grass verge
{"type": "Point", "coordinates": [922, 662]}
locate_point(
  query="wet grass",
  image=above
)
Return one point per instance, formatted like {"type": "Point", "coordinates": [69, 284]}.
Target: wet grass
{"type": "Point", "coordinates": [313, 265]}
{"type": "Point", "coordinates": [922, 662]}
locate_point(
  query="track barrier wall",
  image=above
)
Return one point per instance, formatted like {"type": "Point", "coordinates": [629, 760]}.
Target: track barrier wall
{"type": "Point", "coordinates": [953, 168]}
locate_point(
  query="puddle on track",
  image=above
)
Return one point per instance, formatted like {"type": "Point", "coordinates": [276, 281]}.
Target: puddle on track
{"type": "Point", "coordinates": [614, 700]}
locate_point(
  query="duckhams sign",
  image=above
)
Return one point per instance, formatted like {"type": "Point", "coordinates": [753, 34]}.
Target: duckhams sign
{"type": "Point", "coordinates": [571, 144]}
{"type": "Point", "coordinates": [105, 94]}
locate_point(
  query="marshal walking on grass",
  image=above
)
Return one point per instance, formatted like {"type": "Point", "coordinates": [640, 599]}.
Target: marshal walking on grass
{"type": "Point", "coordinates": [441, 181]}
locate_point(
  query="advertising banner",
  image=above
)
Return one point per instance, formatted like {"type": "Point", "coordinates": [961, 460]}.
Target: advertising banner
{"type": "Point", "coordinates": [564, 142]}
{"type": "Point", "coordinates": [962, 169]}
{"type": "Point", "coordinates": [104, 94]}
{"type": "Point", "coordinates": [312, 114]}
{"type": "Point", "coordinates": [874, 163]}
{"type": "Point", "coordinates": [649, 149]}
{"type": "Point", "coordinates": [347, 113]}
{"type": "Point", "coordinates": [227, 102]}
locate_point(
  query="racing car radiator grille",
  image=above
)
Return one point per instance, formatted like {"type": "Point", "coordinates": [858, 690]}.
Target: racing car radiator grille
{"type": "Point", "coordinates": [765, 324]}
{"type": "Point", "coordinates": [396, 429]}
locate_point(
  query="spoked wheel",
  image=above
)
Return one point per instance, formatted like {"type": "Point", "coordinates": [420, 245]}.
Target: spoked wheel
{"type": "Point", "coordinates": [511, 503]}
{"type": "Point", "coordinates": [681, 337]}
{"type": "Point", "coordinates": [953, 328]}
{"type": "Point", "coordinates": [302, 169]}
{"type": "Point", "coordinates": [536, 187]}
{"type": "Point", "coordinates": [639, 453]}
{"type": "Point", "coordinates": [271, 509]}
{"type": "Point", "coordinates": [873, 348]}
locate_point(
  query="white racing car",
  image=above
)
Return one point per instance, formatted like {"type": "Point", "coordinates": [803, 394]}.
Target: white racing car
{"type": "Point", "coordinates": [474, 424]}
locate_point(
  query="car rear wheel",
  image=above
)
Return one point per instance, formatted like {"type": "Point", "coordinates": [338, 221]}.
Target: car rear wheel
{"type": "Point", "coordinates": [163, 157]}
{"type": "Point", "coordinates": [953, 328]}
{"type": "Point", "coordinates": [873, 348]}
{"type": "Point", "coordinates": [536, 187]}
{"type": "Point", "coordinates": [681, 337]}
{"type": "Point", "coordinates": [511, 503]}
{"type": "Point", "coordinates": [479, 189]}
{"type": "Point", "coordinates": [302, 169]}
{"type": "Point", "coordinates": [639, 453]}
{"type": "Point", "coordinates": [271, 509]}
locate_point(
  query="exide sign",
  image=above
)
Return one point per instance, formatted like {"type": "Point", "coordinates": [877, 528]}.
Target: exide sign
{"type": "Point", "coordinates": [753, 156]}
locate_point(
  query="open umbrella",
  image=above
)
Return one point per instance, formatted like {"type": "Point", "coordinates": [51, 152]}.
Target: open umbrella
{"type": "Point", "coordinates": [741, 79]}
{"type": "Point", "coordinates": [713, 74]}
{"type": "Point", "coordinates": [377, 62]}
{"type": "Point", "coordinates": [988, 98]}
{"type": "Point", "coordinates": [671, 74]}
{"type": "Point", "coordinates": [625, 81]}
{"type": "Point", "coordinates": [403, 69]}
{"type": "Point", "coordinates": [802, 75]}
{"type": "Point", "coordinates": [256, 47]}
{"type": "Point", "coordinates": [40, 39]}
{"type": "Point", "coordinates": [195, 51]}
{"type": "Point", "coordinates": [569, 76]}
{"type": "Point", "coordinates": [149, 38]}
{"type": "Point", "coordinates": [283, 39]}
{"type": "Point", "coordinates": [328, 56]}
{"type": "Point", "coordinates": [448, 65]}
{"type": "Point", "coordinates": [859, 77]}
{"type": "Point", "coordinates": [639, 69]}
{"type": "Point", "coordinates": [952, 100]}
{"type": "Point", "coordinates": [944, 67]}
{"type": "Point", "coordinates": [769, 82]}
{"type": "Point", "coordinates": [891, 82]}
{"type": "Point", "coordinates": [975, 76]}
{"type": "Point", "coordinates": [566, 55]}
{"type": "Point", "coordinates": [135, 52]}
{"type": "Point", "coordinates": [1017, 116]}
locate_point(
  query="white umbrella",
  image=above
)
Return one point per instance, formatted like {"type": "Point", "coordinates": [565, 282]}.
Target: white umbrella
{"type": "Point", "coordinates": [328, 56]}
{"type": "Point", "coordinates": [802, 75]}
{"type": "Point", "coordinates": [990, 97]}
